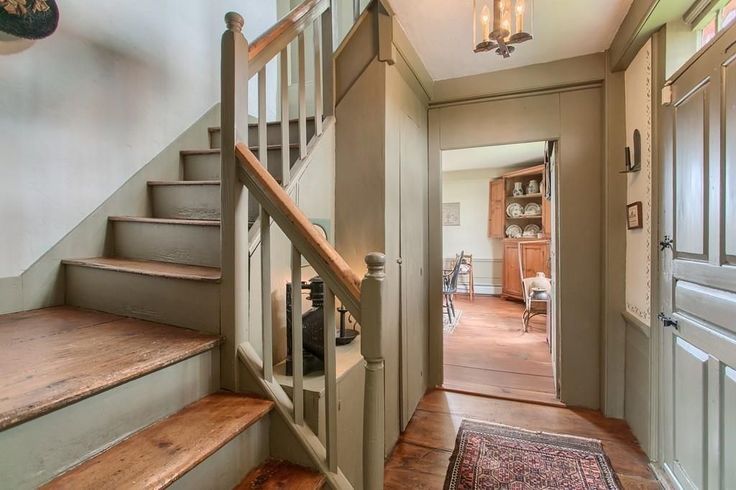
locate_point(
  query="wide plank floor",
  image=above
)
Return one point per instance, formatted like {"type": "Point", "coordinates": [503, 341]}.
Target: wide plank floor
{"type": "Point", "coordinates": [488, 354]}
{"type": "Point", "coordinates": [421, 457]}
{"type": "Point", "coordinates": [52, 357]}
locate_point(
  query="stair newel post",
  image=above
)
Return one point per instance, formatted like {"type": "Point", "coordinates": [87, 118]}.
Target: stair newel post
{"type": "Point", "coordinates": [234, 196]}
{"type": "Point", "coordinates": [371, 311]}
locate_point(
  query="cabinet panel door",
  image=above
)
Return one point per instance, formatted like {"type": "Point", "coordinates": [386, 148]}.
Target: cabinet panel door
{"type": "Point", "coordinates": [511, 277]}
{"type": "Point", "coordinates": [496, 211]}
{"type": "Point", "coordinates": [535, 259]}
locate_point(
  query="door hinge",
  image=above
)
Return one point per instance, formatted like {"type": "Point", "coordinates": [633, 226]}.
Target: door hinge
{"type": "Point", "coordinates": [666, 243]}
{"type": "Point", "coordinates": [667, 321]}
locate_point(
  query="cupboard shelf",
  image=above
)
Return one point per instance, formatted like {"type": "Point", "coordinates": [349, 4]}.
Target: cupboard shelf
{"type": "Point", "coordinates": [526, 196]}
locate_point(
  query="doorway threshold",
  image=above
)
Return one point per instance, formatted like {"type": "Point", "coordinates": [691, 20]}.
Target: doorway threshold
{"type": "Point", "coordinates": [500, 393]}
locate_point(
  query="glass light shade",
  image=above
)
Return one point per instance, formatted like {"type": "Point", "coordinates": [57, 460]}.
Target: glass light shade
{"type": "Point", "coordinates": [508, 21]}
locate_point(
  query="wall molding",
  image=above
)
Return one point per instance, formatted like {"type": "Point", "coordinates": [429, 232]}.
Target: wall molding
{"type": "Point", "coordinates": [633, 321]}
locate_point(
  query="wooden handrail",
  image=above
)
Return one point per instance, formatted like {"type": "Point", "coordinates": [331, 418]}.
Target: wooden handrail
{"type": "Point", "coordinates": [329, 264]}
{"type": "Point", "coordinates": [278, 37]}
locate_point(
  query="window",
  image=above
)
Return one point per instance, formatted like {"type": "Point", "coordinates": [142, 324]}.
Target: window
{"type": "Point", "coordinates": [708, 32]}
{"type": "Point", "coordinates": [728, 13]}
{"type": "Point", "coordinates": [721, 18]}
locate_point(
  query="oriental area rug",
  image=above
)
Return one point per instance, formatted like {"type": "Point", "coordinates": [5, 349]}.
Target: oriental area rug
{"type": "Point", "coordinates": [495, 456]}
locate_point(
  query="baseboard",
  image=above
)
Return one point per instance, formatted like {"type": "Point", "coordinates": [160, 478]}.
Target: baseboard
{"type": "Point", "coordinates": [42, 284]}
{"type": "Point", "coordinates": [488, 290]}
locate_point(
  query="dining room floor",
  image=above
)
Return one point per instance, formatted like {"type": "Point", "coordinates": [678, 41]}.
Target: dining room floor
{"type": "Point", "coordinates": [488, 354]}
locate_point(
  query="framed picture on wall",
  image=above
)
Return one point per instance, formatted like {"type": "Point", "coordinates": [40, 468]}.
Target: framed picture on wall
{"type": "Point", "coordinates": [451, 214]}
{"type": "Point", "coordinates": [633, 216]}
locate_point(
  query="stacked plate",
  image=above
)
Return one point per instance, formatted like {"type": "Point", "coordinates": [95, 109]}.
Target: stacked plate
{"type": "Point", "coordinates": [532, 209]}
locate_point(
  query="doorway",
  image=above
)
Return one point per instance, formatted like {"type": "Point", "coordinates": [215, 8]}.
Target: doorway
{"type": "Point", "coordinates": [498, 232]}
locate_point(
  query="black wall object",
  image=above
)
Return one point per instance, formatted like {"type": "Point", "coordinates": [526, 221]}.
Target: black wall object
{"type": "Point", "coordinates": [35, 19]}
{"type": "Point", "coordinates": [637, 150]}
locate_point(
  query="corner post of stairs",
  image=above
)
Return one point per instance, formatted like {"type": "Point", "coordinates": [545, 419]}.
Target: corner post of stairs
{"type": "Point", "coordinates": [371, 308]}
{"type": "Point", "coordinates": [234, 196]}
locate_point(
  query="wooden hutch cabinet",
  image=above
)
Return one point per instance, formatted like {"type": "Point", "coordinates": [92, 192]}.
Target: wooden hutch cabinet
{"type": "Point", "coordinates": [536, 254]}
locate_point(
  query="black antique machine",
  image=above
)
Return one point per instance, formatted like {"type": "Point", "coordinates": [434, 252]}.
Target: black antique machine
{"type": "Point", "coordinates": [313, 327]}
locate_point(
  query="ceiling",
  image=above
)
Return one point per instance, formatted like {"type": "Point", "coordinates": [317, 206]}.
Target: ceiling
{"type": "Point", "coordinates": [501, 156]}
{"type": "Point", "coordinates": [441, 32]}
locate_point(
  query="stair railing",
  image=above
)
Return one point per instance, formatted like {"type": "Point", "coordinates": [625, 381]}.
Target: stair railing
{"type": "Point", "coordinates": [243, 172]}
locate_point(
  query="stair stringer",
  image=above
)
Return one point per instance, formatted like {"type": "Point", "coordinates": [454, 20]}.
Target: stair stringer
{"type": "Point", "coordinates": [250, 379]}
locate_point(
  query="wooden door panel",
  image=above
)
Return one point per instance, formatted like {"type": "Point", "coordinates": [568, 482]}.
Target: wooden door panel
{"type": "Point", "coordinates": [691, 174]}
{"type": "Point", "coordinates": [534, 259]}
{"type": "Point", "coordinates": [729, 426]}
{"type": "Point", "coordinates": [729, 122]}
{"type": "Point", "coordinates": [497, 211]}
{"type": "Point", "coordinates": [698, 278]}
{"type": "Point", "coordinates": [512, 277]}
{"type": "Point", "coordinates": [690, 418]}
{"type": "Point", "coordinates": [710, 305]}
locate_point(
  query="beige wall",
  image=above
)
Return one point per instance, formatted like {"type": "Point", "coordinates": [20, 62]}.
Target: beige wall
{"type": "Point", "coordinates": [470, 189]}
{"type": "Point", "coordinates": [576, 118]}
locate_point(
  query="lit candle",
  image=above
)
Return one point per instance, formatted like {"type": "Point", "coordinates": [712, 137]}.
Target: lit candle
{"type": "Point", "coordinates": [485, 21]}
{"type": "Point", "coordinates": [519, 15]}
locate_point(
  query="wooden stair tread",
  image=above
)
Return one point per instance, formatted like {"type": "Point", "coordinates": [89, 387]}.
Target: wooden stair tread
{"type": "Point", "coordinates": [165, 221]}
{"type": "Point", "coordinates": [52, 357]}
{"type": "Point", "coordinates": [161, 453]}
{"type": "Point", "coordinates": [182, 182]}
{"type": "Point", "coordinates": [253, 148]}
{"type": "Point", "coordinates": [150, 268]}
{"type": "Point", "coordinates": [276, 474]}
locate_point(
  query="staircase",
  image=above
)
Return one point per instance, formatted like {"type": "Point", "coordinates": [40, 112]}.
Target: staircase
{"type": "Point", "coordinates": [139, 380]}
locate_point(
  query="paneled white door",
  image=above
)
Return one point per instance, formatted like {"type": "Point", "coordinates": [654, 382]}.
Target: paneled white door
{"type": "Point", "coordinates": [698, 273]}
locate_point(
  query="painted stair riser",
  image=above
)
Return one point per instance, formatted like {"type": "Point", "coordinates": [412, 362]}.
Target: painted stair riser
{"type": "Point", "coordinates": [191, 244]}
{"type": "Point", "coordinates": [181, 302]}
{"type": "Point", "coordinates": [228, 465]}
{"type": "Point", "coordinates": [274, 134]}
{"type": "Point", "coordinates": [39, 449]}
{"type": "Point", "coordinates": [200, 201]}
{"type": "Point", "coordinates": [206, 166]}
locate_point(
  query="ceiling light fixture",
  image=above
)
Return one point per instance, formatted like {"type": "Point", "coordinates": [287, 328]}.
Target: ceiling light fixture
{"type": "Point", "coordinates": [498, 24]}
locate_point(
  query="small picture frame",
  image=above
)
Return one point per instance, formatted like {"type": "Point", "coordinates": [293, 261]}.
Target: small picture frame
{"type": "Point", "coordinates": [634, 216]}
{"type": "Point", "coordinates": [451, 214]}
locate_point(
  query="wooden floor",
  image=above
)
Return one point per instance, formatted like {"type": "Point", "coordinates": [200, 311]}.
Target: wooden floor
{"type": "Point", "coordinates": [421, 457]}
{"type": "Point", "coordinates": [488, 354]}
{"type": "Point", "coordinates": [46, 355]}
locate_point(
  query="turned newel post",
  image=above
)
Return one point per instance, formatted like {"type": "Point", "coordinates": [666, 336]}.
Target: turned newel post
{"type": "Point", "coordinates": [371, 311]}
{"type": "Point", "coordinates": [234, 196]}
